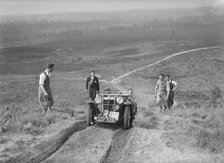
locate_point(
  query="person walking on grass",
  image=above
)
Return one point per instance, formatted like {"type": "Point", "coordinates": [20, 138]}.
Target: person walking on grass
{"type": "Point", "coordinates": [92, 85]}
{"type": "Point", "coordinates": [162, 91]}
{"type": "Point", "coordinates": [173, 86]}
{"type": "Point", "coordinates": [44, 92]}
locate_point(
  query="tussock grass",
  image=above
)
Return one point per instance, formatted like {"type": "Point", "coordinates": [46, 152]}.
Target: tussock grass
{"type": "Point", "coordinates": [205, 123]}
{"type": "Point", "coordinates": [3, 140]}
{"type": "Point", "coordinates": [209, 133]}
{"type": "Point", "coordinates": [34, 124]}
{"type": "Point", "coordinates": [34, 130]}
{"type": "Point", "coordinates": [30, 121]}
{"type": "Point", "coordinates": [206, 126]}
{"type": "Point", "coordinates": [146, 119]}
{"type": "Point", "coordinates": [53, 118]}
{"type": "Point", "coordinates": [35, 119]}
{"type": "Point", "coordinates": [210, 139]}
{"type": "Point", "coordinates": [21, 97]}
{"type": "Point", "coordinates": [203, 116]}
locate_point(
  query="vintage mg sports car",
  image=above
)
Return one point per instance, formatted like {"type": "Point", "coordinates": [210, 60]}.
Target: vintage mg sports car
{"type": "Point", "coordinates": [112, 108]}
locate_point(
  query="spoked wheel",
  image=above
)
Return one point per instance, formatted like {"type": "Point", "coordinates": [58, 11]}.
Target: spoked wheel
{"type": "Point", "coordinates": [127, 117]}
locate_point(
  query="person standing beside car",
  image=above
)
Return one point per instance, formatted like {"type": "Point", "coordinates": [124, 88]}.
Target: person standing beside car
{"type": "Point", "coordinates": [162, 90]}
{"type": "Point", "coordinates": [131, 97]}
{"type": "Point", "coordinates": [173, 86]}
{"type": "Point", "coordinates": [44, 92]}
{"type": "Point", "coordinates": [92, 85]}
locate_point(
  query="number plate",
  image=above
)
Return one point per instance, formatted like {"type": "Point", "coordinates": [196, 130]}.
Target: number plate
{"type": "Point", "coordinates": [114, 115]}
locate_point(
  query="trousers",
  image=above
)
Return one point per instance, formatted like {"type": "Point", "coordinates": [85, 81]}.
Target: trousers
{"type": "Point", "coordinates": [92, 94]}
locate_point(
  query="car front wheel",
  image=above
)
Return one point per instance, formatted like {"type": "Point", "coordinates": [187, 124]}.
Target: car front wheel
{"type": "Point", "coordinates": [127, 117]}
{"type": "Point", "coordinates": [89, 115]}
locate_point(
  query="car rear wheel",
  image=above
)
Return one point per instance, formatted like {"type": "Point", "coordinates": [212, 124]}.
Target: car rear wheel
{"type": "Point", "coordinates": [127, 117]}
{"type": "Point", "coordinates": [89, 115]}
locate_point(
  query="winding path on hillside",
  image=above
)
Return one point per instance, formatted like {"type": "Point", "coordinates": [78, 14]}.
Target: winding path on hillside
{"type": "Point", "coordinates": [116, 83]}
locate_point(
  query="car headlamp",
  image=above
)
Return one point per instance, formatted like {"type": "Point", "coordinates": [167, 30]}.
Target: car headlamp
{"type": "Point", "coordinates": [98, 99]}
{"type": "Point", "coordinates": [119, 100]}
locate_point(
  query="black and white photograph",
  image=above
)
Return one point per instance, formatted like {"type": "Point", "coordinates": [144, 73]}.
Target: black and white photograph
{"type": "Point", "coordinates": [111, 81]}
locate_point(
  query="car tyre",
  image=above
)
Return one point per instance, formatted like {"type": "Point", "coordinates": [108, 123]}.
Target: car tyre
{"type": "Point", "coordinates": [89, 115]}
{"type": "Point", "coordinates": [127, 117]}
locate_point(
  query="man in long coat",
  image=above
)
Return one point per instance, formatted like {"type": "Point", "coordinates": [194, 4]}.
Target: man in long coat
{"type": "Point", "coordinates": [92, 85]}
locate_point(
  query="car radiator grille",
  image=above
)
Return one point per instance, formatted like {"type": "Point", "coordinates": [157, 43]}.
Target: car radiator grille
{"type": "Point", "coordinates": [108, 104]}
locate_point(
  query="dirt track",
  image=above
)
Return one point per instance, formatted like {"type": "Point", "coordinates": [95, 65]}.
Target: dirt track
{"type": "Point", "coordinates": [99, 143]}
{"type": "Point", "coordinates": [109, 143]}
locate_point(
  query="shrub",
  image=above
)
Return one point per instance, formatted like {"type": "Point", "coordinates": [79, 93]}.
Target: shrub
{"type": "Point", "coordinates": [34, 130]}
{"type": "Point", "coordinates": [34, 124]}
{"type": "Point", "coordinates": [3, 140]}
{"type": "Point", "coordinates": [50, 118]}
{"type": "Point", "coordinates": [210, 139]}
{"type": "Point", "coordinates": [8, 118]}
{"type": "Point", "coordinates": [35, 119]}
{"type": "Point", "coordinates": [216, 98]}
{"type": "Point", "coordinates": [216, 94]}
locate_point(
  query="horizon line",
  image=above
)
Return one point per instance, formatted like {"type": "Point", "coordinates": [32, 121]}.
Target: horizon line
{"type": "Point", "coordinates": [106, 11]}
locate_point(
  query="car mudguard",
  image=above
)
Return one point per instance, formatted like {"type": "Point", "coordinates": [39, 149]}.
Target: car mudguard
{"type": "Point", "coordinates": [90, 102]}
{"type": "Point", "coordinates": [127, 103]}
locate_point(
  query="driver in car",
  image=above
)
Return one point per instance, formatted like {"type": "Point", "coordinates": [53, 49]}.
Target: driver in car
{"type": "Point", "coordinates": [134, 103]}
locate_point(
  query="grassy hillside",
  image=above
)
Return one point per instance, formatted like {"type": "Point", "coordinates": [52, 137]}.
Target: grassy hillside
{"type": "Point", "coordinates": [198, 111]}
{"type": "Point", "coordinates": [199, 99]}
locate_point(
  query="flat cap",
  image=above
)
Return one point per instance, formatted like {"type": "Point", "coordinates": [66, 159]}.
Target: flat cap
{"type": "Point", "coordinates": [50, 65]}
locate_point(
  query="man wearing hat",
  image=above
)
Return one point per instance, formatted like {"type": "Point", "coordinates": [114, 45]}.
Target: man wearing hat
{"type": "Point", "coordinates": [92, 85]}
{"type": "Point", "coordinates": [44, 91]}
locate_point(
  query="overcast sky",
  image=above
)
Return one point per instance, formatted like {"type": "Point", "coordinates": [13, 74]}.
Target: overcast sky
{"type": "Point", "coordinates": [48, 6]}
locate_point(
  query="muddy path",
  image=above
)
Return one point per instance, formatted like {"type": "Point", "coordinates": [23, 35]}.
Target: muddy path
{"type": "Point", "coordinates": [44, 149]}
{"type": "Point", "coordinates": [94, 144]}
{"type": "Point", "coordinates": [119, 141]}
{"type": "Point", "coordinates": [141, 145]}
